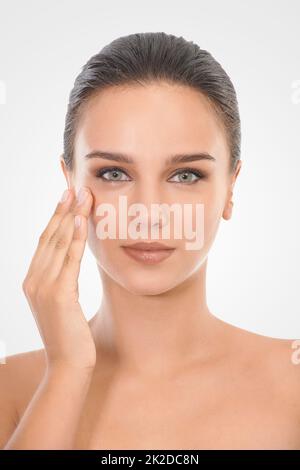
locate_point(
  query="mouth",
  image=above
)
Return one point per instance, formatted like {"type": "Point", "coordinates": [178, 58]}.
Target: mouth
{"type": "Point", "coordinates": [148, 253]}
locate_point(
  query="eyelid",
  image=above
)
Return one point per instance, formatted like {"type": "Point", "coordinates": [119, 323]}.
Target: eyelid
{"type": "Point", "coordinates": [190, 170]}
{"type": "Point", "coordinates": [100, 172]}
{"type": "Point", "coordinates": [198, 173]}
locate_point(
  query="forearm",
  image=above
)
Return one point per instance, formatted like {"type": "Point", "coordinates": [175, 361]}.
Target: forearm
{"type": "Point", "coordinates": [51, 418]}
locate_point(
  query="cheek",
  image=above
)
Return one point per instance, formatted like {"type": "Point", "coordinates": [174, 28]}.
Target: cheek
{"type": "Point", "coordinates": [104, 250]}
{"type": "Point", "coordinates": [213, 209]}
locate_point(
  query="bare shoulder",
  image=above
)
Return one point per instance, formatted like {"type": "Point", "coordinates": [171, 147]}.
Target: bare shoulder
{"type": "Point", "coordinates": [20, 375]}
{"type": "Point", "coordinates": [274, 361]}
{"type": "Point", "coordinates": [283, 364]}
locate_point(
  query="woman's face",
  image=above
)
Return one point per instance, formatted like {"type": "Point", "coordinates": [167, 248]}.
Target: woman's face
{"type": "Point", "coordinates": [150, 125]}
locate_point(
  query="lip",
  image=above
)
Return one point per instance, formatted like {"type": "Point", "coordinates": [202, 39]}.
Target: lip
{"type": "Point", "coordinates": [153, 253]}
{"type": "Point", "coordinates": [145, 246]}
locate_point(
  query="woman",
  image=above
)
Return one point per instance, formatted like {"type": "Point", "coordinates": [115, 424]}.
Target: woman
{"type": "Point", "coordinates": [155, 119]}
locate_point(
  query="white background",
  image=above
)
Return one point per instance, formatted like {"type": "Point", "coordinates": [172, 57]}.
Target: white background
{"type": "Point", "coordinates": [253, 267]}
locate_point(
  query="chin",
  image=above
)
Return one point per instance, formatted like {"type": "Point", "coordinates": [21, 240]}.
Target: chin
{"type": "Point", "coordinates": [150, 286]}
{"type": "Point", "coordinates": [152, 282]}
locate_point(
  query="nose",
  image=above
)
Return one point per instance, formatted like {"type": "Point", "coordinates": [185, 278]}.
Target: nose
{"type": "Point", "coordinates": [151, 216]}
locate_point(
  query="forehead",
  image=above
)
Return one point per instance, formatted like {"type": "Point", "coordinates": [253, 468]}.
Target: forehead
{"type": "Point", "coordinates": [151, 120]}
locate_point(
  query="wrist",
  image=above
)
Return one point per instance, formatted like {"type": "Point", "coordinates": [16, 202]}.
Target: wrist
{"type": "Point", "coordinates": [67, 369]}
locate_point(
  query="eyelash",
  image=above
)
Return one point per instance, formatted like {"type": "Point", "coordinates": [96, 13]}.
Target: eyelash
{"type": "Point", "coordinates": [194, 171]}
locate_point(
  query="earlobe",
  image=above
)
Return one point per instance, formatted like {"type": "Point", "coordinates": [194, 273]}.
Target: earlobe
{"type": "Point", "coordinates": [227, 213]}
{"type": "Point", "coordinates": [63, 165]}
{"type": "Point", "coordinates": [65, 171]}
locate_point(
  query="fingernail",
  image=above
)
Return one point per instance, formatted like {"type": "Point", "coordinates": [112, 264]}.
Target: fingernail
{"type": "Point", "coordinates": [81, 196]}
{"type": "Point", "coordinates": [64, 196]}
{"type": "Point", "coordinates": [77, 221]}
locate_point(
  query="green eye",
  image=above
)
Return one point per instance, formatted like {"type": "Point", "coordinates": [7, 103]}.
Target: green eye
{"type": "Point", "coordinates": [188, 176]}
{"type": "Point", "coordinates": [116, 174]}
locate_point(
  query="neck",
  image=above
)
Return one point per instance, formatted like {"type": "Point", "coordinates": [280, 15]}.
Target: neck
{"type": "Point", "coordinates": [155, 334]}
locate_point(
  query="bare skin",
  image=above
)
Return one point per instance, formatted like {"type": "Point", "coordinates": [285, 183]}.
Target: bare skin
{"type": "Point", "coordinates": [245, 399]}
{"type": "Point", "coordinates": [153, 368]}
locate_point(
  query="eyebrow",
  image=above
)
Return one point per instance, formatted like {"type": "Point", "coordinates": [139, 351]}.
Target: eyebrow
{"type": "Point", "coordinates": [122, 158]}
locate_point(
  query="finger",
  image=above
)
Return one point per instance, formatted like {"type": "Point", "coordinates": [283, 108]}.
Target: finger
{"type": "Point", "coordinates": [71, 266]}
{"type": "Point", "coordinates": [84, 201]}
{"type": "Point", "coordinates": [58, 238]}
{"type": "Point", "coordinates": [60, 211]}
{"type": "Point", "coordinates": [63, 237]}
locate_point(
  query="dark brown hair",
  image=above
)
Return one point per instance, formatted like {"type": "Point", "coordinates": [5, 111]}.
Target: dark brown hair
{"type": "Point", "coordinates": [143, 58]}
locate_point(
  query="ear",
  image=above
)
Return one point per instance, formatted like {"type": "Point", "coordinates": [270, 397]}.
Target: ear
{"type": "Point", "coordinates": [227, 212]}
{"type": "Point", "coordinates": [66, 172]}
